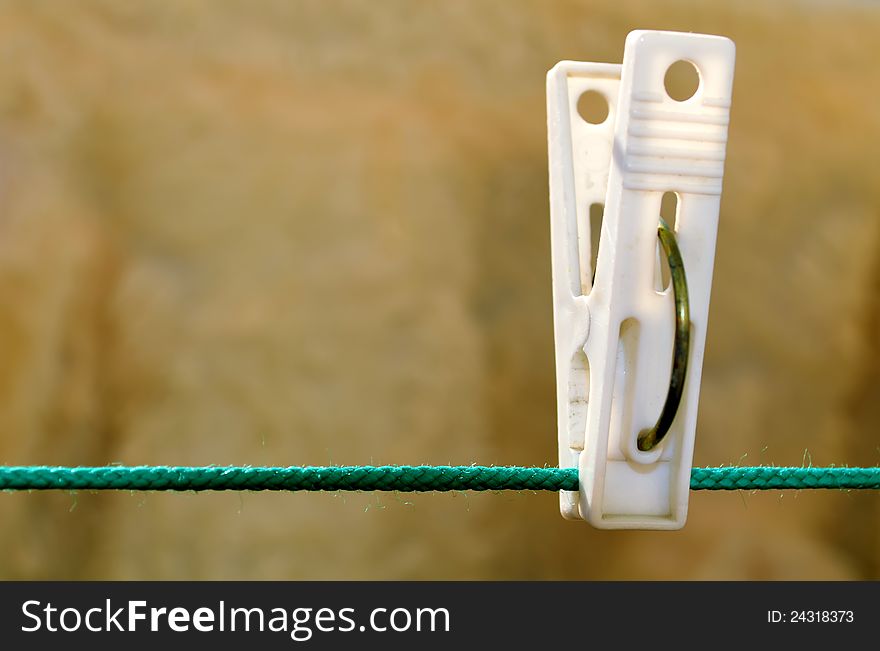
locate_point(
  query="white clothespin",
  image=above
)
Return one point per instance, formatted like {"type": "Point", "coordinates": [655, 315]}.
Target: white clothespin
{"type": "Point", "coordinates": [616, 333]}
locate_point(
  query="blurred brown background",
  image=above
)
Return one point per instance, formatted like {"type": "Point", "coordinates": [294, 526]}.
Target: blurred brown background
{"type": "Point", "coordinates": [285, 232]}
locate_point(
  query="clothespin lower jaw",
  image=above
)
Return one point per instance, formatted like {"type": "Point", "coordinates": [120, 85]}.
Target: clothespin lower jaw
{"type": "Point", "coordinates": [622, 336]}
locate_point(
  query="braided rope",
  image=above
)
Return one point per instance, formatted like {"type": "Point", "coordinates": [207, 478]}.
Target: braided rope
{"type": "Point", "coordinates": [401, 478]}
{"type": "Point", "coordinates": [333, 478]}
{"type": "Point", "coordinates": [770, 478]}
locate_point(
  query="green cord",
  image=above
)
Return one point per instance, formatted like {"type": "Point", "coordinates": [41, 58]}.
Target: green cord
{"type": "Point", "coordinates": [401, 478]}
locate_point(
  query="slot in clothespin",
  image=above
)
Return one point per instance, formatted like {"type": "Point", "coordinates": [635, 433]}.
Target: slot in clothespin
{"type": "Point", "coordinates": [628, 359]}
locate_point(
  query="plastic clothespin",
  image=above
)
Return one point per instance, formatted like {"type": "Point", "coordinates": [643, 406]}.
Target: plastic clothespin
{"type": "Point", "coordinates": [628, 364]}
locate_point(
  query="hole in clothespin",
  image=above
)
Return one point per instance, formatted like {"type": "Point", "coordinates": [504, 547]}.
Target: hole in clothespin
{"type": "Point", "coordinates": [593, 107]}
{"type": "Point", "coordinates": [682, 80]}
{"type": "Point", "coordinates": [669, 212]}
{"type": "Point", "coordinates": [597, 210]}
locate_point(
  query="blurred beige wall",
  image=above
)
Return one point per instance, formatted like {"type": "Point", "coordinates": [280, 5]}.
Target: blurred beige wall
{"type": "Point", "coordinates": [285, 232]}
